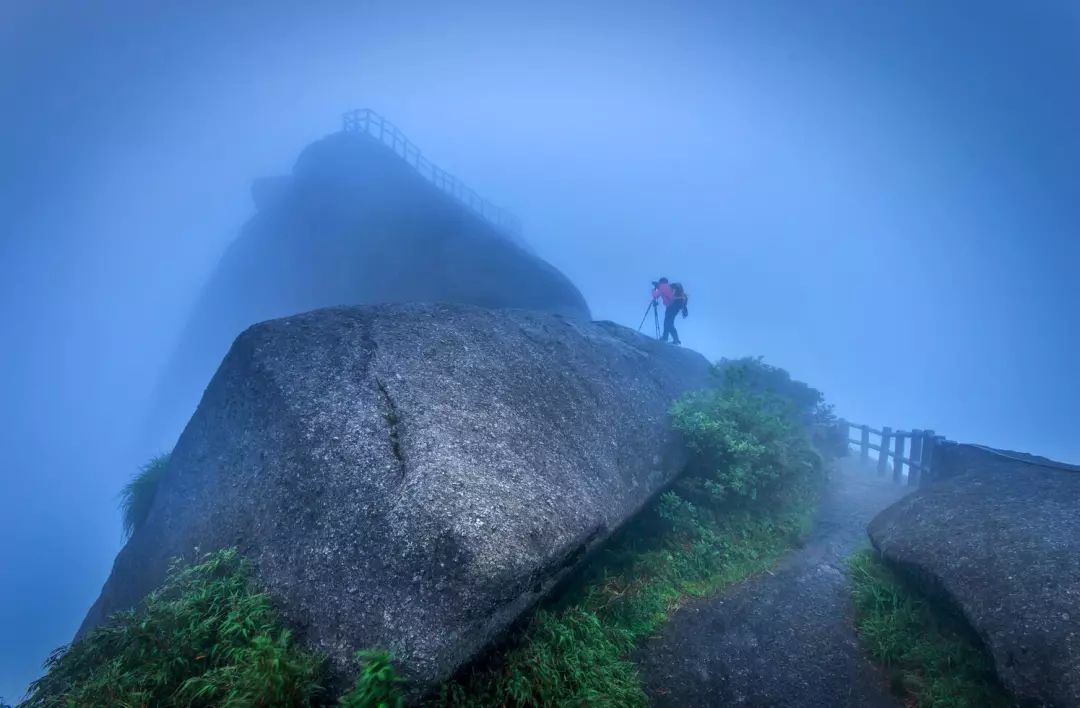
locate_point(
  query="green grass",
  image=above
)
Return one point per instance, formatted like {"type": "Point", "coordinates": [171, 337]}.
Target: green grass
{"type": "Point", "coordinates": [378, 685]}
{"type": "Point", "coordinates": [138, 495]}
{"type": "Point", "coordinates": [933, 657]}
{"type": "Point", "coordinates": [206, 638]}
{"type": "Point", "coordinates": [578, 652]}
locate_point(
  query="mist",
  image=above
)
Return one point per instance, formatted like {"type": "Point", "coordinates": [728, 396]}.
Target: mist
{"type": "Point", "coordinates": [882, 198]}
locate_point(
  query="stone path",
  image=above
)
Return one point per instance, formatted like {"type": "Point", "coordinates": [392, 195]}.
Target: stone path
{"type": "Point", "coordinates": [784, 638]}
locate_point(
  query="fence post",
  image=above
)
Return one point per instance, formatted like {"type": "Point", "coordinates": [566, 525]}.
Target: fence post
{"type": "Point", "coordinates": [939, 449]}
{"type": "Point", "coordinates": [915, 471]}
{"type": "Point", "coordinates": [898, 458]}
{"type": "Point", "coordinates": [883, 453]}
{"type": "Point", "coordinates": [929, 440]}
{"type": "Point", "coordinates": [864, 444]}
{"type": "Point", "coordinates": [845, 428]}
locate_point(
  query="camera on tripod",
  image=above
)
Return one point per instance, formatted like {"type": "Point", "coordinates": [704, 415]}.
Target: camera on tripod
{"type": "Point", "coordinates": [654, 306]}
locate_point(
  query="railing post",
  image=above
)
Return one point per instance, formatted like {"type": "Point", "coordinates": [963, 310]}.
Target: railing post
{"type": "Point", "coordinates": [845, 429]}
{"type": "Point", "coordinates": [928, 454]}
{"type": "Point", "coordinates": [898, 458]}
{"type": "Point", "coordinates": [864, 444]}
{"type": "Point", "coordinates": [915, 471]}
{"type": "Point", "coordinates": [883, 453]}
{"type": "Point", "coordinates": [936, 462]}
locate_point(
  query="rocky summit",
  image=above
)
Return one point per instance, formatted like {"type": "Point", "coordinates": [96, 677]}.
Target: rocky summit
{"type": "Point", "coordinates": [1000, 539]}
{"type": "Point", "coordinates": [413, 477]}
{"type": "Point", "coordinates": [353, 224]}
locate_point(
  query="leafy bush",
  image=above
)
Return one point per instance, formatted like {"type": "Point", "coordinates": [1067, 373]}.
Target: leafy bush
{"type": "Point", "coordinates": [935, 659]}
{"type": "Point", "coordinates": [753, 375]}
{"type": "Point", "coordinates": [138, 495]}
{"type": "Point", "coordinates": [205, 638]}
{"type": "Point", "coordinates": [746, 445]}
{"type": "Point", "coordinates": [806, 402]}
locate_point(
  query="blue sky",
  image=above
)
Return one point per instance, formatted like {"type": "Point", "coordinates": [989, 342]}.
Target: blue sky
{"type": "Point", "coordinates": [883, 197]}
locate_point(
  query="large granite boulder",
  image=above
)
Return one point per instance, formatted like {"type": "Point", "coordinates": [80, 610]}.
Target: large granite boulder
{"type": "Point", "coordinates": [414, 476]}
{"type": "Point", "coordinates": [354, 224]}
{"type": "Point", "coordinates": [1000, 538]}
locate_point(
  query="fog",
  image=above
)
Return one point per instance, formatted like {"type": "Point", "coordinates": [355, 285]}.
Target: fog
{"type": "Point", "coordinates": [882, 198]}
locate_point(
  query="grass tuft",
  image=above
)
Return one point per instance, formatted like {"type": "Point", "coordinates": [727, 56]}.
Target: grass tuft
{"type": "Point", "coordinates": [934, 659]}
{"type": "Point", "coordinates": [378, 685]}
{"type": "Point", "coordinates": [578, 653]}
{"type": "Point", "coordinates": [137, 496]}
{"type": "Point", "coordinates": [205, 638]}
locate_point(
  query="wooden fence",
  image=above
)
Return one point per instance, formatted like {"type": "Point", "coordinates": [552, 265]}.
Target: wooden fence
{"type": "Point", "coordinates": [372, 124]}
{"type": "Point", "coordinates": [910, 455]}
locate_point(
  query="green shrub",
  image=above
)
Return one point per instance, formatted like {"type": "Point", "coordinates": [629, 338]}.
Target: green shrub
{"type": "Point", "coordinates": [205, 638]}
{"type": "Point", "coordinates": [137, 496]}
{"type": "Point", "coordinates": [753, 375]}
{"type": "Point", "coordinates": [934, 658]}
{"type": "Point", "coordinates": [746, 446]}
{"type": "Point", "coordinates": [806, 403]}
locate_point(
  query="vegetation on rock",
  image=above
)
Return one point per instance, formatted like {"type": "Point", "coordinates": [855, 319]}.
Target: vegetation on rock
{"type": "Point", "coordinates": [934, 659]}
{"type": "Point", "coordinates": [378, 686]}
{"type": "Point", "coordinates": [206, 638]}
{"type": "Point", "coordinates": [747, 496]}
{"type": "Point", "coordinates": [138, 495]}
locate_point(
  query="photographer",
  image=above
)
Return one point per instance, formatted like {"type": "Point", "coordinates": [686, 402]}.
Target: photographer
{"type": "Point", "coordinates": [675, 300]}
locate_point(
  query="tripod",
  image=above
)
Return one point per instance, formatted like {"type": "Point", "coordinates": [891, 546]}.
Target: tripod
{"type": "Point", "coordinates": [655, 315]}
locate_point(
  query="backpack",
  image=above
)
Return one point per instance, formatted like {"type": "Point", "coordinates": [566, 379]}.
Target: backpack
{"type": "Point", "coordinates": [681, 294]}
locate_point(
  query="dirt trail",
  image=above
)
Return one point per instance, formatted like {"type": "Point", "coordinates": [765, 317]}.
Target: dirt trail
{"type": "Point", "coordinates": [784, 638]}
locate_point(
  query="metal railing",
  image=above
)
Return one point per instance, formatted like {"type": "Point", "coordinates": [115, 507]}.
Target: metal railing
{"type": "Point", "coordinates": [912, 453]}
{"type": "Point", "coordinates": [373, 125]}
{"type": "Point", "coordinates": [917, 457]}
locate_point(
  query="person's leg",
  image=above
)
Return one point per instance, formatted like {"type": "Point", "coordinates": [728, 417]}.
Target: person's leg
{"type": "Point", "coordinates": [669, 325]}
